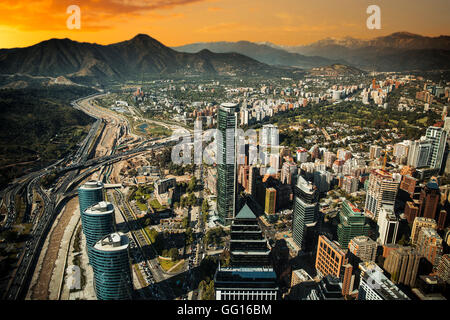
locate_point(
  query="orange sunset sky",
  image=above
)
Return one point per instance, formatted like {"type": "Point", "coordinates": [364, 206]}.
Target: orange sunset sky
{"type": "Point", "coordinates": [177, 22]}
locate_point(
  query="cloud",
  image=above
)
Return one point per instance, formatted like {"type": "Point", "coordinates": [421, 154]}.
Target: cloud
{"type": "Point", "coordinates": [34, 15]}
{"type": "Point", "coordinates": [214, 9]}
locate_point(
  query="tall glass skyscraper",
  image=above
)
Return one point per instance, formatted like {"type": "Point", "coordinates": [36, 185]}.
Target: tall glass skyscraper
{"type": "Point", "coordinates": [112, 268]}
{"type": "Point", "coordinates": [97, 221]}
{"type": "Point", "coordinates": [306, 211]}
{"type": "Point", "coordinates": [438, 138]}
{"type": "Point", "coordinates": [89, 194]}
{"type": "Point", "coordinates": [250, 275]}
{"type": "Point", "coordinates": [352, 224]}
{"type": "Point", "coordinates": [226, 163]}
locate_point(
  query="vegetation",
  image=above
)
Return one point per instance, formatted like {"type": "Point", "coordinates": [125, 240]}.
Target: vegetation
{"type": "Point", "coordinates": [214, 236]}
{"type": "Point", "coordinates": [38, 130]}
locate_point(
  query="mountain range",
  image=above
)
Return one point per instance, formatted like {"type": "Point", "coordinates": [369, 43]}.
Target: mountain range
{"type": "Point", "coordinates": [401, 51]}
{"type": "Point", "coordinates": [269, 54]}
{"type": "Point", "coordinates": [131, 59]}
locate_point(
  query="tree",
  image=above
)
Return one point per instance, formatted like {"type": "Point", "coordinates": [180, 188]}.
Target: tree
{"type": "Point", "coordinates": [174, 254]}
{"type": "Point", "coordinates": [192, 184]}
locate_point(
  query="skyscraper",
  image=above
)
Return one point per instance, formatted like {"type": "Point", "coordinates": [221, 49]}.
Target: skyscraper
{"type": "Point", "coordinates": [97, 221]}
{"type": "Point", "coordinates": [403, 264]}
{"type": "Point", "coordinates": [387, 225]}
{"type": "Point", "coordinates": [374, 285]}
{"type": "Point", "coordinates": [112, 269]}
{"type": "Point", "coordinates": [250, 275]}
{"type": "Point", "coordinates": [429, 245]}
{"type": "Point", "coordinates": [419, 223]}
{"type": "Point", "coordinates": [306, 210]}
{"type": "Point", "coordinates": [438, 138]}
{"type": "Point", "coordinates": [363, 247]}
{"type": "Point", "coordinates": [271, 197]}
{"type": "Point", "coordinates": [330, 257]}
{"type": "Point", "coordinates": [419, 153]}
{"type": "Point", "coordinates": [429, 199]}
{"type": "Point", "coordinates": [352, 224]}
{"type": "Point", "coordinates": [226, 167]}
{"type": "Point", "coordinates": [89, 194]}
{"type": "Point", "coordinates": [382, 189]}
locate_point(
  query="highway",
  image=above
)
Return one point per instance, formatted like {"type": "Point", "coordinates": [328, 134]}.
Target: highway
{"type": "Point", "coordinates": [54, 200]}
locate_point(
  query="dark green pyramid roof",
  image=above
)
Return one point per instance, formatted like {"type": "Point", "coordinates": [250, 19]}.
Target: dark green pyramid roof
{"type": "Point", "coordinates": [245, 213]}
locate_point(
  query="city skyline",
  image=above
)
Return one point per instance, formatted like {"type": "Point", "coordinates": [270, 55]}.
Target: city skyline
{"type": "Point", "coordinates": [179, 22]}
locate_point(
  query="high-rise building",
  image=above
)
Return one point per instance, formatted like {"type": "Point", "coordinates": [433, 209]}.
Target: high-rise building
{"type": "Point", "coordinates": [271, 198]}
{"type": "Point", "coordinates": [330, 257]}
{"type": "Point", "coordinates": [97, 221]}
{"type": "Point", "coordinates": [429, 245]}
{"type": "Point", "coordinates": [419, 153]}
{"type": "Point", "coordinates": [89, 194]}
{"type": "Point", "coordinates": [375, 152]}
{"type": "Point", "coordinates": [226, 167]}
{"type": "Point", "coordinates": [250, 275]}
{"type": "Point", "coordinates": [253, 174]}
{"type": "Point", "coordinates": [387, 225]}
{"type": "Point", "coordinates": [419, 223]}
{"type": "Point", "coordinates": [112, 269]}
{"type": "Point", "coordinates": [374, 285]}
{"type": "Point", "coordinates": [411, 210]}
{"type": "Point", "coordinates": [352, 224]}
{"type": "Point", "coordinates": [443, 269]}
{"type": "Point", "coordinates": [442, 220]}
{"type": "Point", "coordinates": [408, 184]}
{"type": "Point", "coordinates": [288, 172]}
{"type": "Point", "coordinates": [381, 190]}
{"type": "Point", "coordinates": [269, 135]}
{"type": "Point", "coordinates": [438, 138]}
{"type": "Point", "coordinates": [322, 180]}
{"type": "Point", "coordinates": [363, 247]}
{"type": "Point", "coordinates": [429, 199]}
{"type": "Point", "coordinates": [306, 210]}
{"type": "Point", "coordinates": [350, 184]}
{"type": "Point", "coordinates": [403, 265]}
{"type": "Point", "coordinates": [329, 158]}
{"type": "Point", "coordinates": [302, 155]}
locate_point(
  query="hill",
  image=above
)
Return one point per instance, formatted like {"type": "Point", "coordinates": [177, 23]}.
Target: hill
{"type": "Point", "coordinates": [139, 57]}
{"type": "Point", "coordinates": [261, 52]}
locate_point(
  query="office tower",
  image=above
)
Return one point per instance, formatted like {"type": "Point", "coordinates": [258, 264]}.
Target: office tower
{"type": "Point", "coordinates": [375, 152]}
{"type": "Point", "coordinates": [226, 167]}
{"type": "Point", "coordinates": [429, 199]}
{"type": "Point", "coordinates": [374, 285]}
{"type": "Point", "coordinates": [429, 245]}
{"type": "Point", "coordinates": [382, 189]}
{"type": "Point", "coordinates": [411, 210]}
{"type": "Point", "coordinates": [401, 151]}
{"type": "Point", "coordinates": [97, 221]}
{"type": "Point", "coordinates": [403, 265]}
{"type": "Point", "coordinates": [343, 154]}
{"type": "Point", "coordinates": [363, 247]}
{"type": "Point", "coordinates": [330, 257]}
{"type": "Point", "coordinates": [243, 176]}
{"type": "Point", "coordinates": [328, 158]}
{"type": "Point", "coordinates": [419, 223]}
{"type": "Point", "coordinates": [387, 225]}
{"type": "Point", "coordinates": [408, 184]}
{"type": "Point", "coordinates": [89, 194]}
{"type": "Point", "coordinates": [442, 220]}
{"type": "Point", "coordinates": [302, 155]}
{"type": "Point", "coordinates": [112, 269]}
{"type": "Point", "coordinates": [250, 275]}
{"type": "Point", "coordinates": [288, 172]}
{"type": "Point", "coordinates": [438, 138]}
{"type": "Point", "coordinates": [352, 224]}
{"type": "Point", "coordinates": [322, 180]}
{"type": "Point", "coordinates": [269, 135]}
{"type": "Point", "coordinates": [271, 197]}
{"type": "Point", "coordinates": [350, 184]}
{"type": "Point", "coordinates": [306, 210]}
{"type": "Point", "coordinates": [443, 269]}
{"type": "Point", "coordinates": [253, 174]}
{"type": "Point", "coordinates": [328, 288]}
{"type": "Point", "coordinates": [419, 153]}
